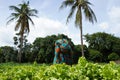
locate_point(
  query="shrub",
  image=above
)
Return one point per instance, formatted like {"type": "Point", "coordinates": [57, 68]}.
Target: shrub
{"type": "Point", "coordinates": [95, 55]}
{"type": "Point", "coordinates": [113, 56]}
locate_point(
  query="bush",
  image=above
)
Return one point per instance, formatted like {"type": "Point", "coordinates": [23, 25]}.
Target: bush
{"type": "Point", "coordinates": [95, 55]}
{"type": "Point", "coordinates": [113, 56]}
{"type": "Point", "coordinates": [84, 70]}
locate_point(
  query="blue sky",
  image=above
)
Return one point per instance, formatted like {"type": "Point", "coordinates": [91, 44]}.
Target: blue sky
{"type": "Point", "coordinates": [52, 20]}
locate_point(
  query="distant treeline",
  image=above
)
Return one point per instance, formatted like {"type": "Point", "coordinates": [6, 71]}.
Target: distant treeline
{"type": "Point", "coordinates": [102, 47]}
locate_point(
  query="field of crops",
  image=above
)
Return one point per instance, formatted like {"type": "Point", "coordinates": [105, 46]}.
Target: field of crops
{"type": "Point", "coordinates": [84, 70]}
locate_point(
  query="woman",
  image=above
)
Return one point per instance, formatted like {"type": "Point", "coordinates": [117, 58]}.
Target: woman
{"type": "Point", "coordinates": [63, 52]}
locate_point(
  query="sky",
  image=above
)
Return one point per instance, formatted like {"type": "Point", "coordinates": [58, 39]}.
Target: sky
{"type": "Point", "coordinates": [52, 20]}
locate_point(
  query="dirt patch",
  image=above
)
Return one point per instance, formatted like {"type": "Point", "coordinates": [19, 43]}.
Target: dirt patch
{"type": "Point", "coordinates": [117, 61]}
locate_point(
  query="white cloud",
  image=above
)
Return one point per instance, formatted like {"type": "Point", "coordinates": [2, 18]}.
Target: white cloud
{"type": "Point", "coordinates": [6, 35]}
{"type": "Point", "coordinates": [45, 26]}
{"type": "Point", "coordinates": [114, 14]}
{"type": "Point", "coordinates": [115, 29]}
{"type": "Point", "coordinates": [112, 26]}
{"type": "Point", "coordinates": [45, 4]}
{"type": "Point", "coordinates": [104, 25]}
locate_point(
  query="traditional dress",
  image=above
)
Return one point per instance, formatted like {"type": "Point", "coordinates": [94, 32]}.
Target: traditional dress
{"type": "Point", "coordinates": [63, 52]}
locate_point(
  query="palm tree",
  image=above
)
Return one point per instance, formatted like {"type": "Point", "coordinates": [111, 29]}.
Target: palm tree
{"type": "Point", "coordinates": [22, 14]}
{"type": "Point", "coordinates": [80, 6]}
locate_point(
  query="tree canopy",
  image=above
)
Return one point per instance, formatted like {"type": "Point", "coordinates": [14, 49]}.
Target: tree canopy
{"type": "Point", "coordinates": [104, 43]}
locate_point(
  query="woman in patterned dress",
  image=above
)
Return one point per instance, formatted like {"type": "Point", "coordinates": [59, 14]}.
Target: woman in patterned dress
{"type": "Point", "coordinates": [63, 52]}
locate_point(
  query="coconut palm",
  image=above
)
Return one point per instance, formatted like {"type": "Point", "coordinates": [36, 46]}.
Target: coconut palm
{"type": "Point", "coordinates": [22, 14]}
{"type": "Point", "coordinates": [80, 7]}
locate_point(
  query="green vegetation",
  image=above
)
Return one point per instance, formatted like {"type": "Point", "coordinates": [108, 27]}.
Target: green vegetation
{"type": "Point", "coordinates": [84, 70]}
{"type": "Point", "coordinates": [99, 49]}
{"type": "Point", "coordinates": [95, 55]}
{"type": "Point", "coordinates": [104, 43]}
{"type": "Point", "coordinates": [113, 56]}
{"type": "Point", "coordinates": [41, 50]}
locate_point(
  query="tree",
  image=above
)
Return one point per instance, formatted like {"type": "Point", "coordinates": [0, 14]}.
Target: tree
{"type": "Point", "coordinates": [43, 48]}
{"type": "Point", "coordinates": [104, 43]}
{"type": "Point", "coordinates": [77, 50]}
{"type": "Point", "coordinates": [27, 53]}
{"type": "Point", "coordinates": [113, 56]}
{"type": "Point", "coordinates": [22, 14]}
{"type": "Point", "coordinates": [78, 6]}
{"type": "Point", "coordinates": [1, 56]}
{"type": "Point", "coordinates": [7, 54]}
{"type": "Point", "coordinates": [95, 55]}
{"type": "Point", "coordinates": [116, 46]}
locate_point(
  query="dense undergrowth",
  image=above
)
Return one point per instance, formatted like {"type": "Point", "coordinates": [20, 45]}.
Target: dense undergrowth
{"type": "Point", "coordinates": [84, 70]}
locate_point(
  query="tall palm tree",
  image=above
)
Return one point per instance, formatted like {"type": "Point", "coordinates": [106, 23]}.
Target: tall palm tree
{"type": "Point", "coordinates": [22, 14]}
{"type": "Point", "coordinates": [80, 7]}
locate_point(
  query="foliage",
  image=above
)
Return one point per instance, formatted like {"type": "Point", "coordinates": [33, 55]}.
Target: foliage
{"type": "Point", "coordinates": [77, 52]}
{"type": "Point", "coordinates": [27, 53]}
{"type": "Point", "coordinates": [43, 48]}
{"type": "Point", "coordinates": [116, 46]}
{"type": "Point", "coordinates": [84, 70]}
{"type": "Point", "coordinates": [113, 57]}
{"type": "Point", "coordinates": [100, 41]}
{"type": "Point", "coordinates": [7, 54]}
{"type": "Point", "coordinates": [17, 41]}
{"type": "Point", "coordinates": [103, 42]}
{"type": "Point", "coordinates": [41, 51]}
{"type": "Point", "coordinates": [95, 55]}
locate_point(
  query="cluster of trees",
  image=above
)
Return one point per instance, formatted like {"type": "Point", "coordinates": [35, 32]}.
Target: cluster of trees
{"type": "Point", "coordinates": [41, 50]}
{"type": "Point", "coordinates": [102, 47]}
{"type": "Point", "coordinates": [23, 13]}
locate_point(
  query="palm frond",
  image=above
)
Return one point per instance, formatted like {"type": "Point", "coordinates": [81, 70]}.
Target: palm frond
{"type": "Point", "coordinates": [17, 25]}
{"type": "Point", "coordinates": [67, 3]}
{"type": "Point", "coordinates": [9, 21]}
{"type": "Point", "coordinates": [27, 30]}
{"type": "Point", "coordinates": [34, 11]}
{"type": "Point", "coordinates": [88, 3]}
{"type": "Point", "coordinates": [89, 14]}
{"type": "Point", "coordinates": [78, 18]}
{"type": "Point", "coordinates": [30, 20]}
{"type": "Point", "coordinates": [16, 9]}
{"type": "Point", "coordinates": [22, 28]}
{"type": "Point", "coordinates": [72, 11]}
{"type": "Point", "coordinates": [33, 15]}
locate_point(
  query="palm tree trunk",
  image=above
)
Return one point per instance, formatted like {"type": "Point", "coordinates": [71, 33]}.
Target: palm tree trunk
{"type": "Point", "coordinates": [21, 46]}
{"type": "Point", "coordinates": [81, 33]}
{"type": "Point", "coordinates": [19, 54]}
